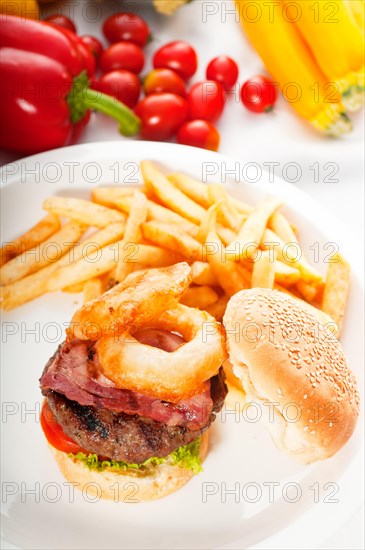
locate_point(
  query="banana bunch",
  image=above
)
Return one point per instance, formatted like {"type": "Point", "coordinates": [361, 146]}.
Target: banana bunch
{"type": "Point", "coordinates": [315, 52]}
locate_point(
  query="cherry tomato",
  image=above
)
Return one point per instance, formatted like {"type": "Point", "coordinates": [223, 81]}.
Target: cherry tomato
{"type": "Point", "coordinates": [123, 85]}
{"type": "Point", "coordinates": [122, 55]}
{"type": "Point", "coordinates": [161, 115]}
{"type": "Point", "coordinates": [164, 80]}
{"type": "Point", "coordinates": [259, 94]}
{"type": "Point", "coordinates": [61, 21]}
{"type": "Point", "coordinates": [94, 45]}
{"type": "Point", "coordinates": [199, 133]}
{"type": "Point", "coordinates": [126, 26]}
{"type": "Point", "coordinates": [178, 56]}
{"type": "Point", "coordinates": [55, 434]}
{"type": "Point", "coordinates": [224, 70]}
{"type": "Point", "coordinates": [206, 100]}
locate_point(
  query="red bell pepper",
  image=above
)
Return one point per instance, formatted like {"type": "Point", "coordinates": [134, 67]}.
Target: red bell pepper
{"type": "Point", "coordinates": [45, 97]}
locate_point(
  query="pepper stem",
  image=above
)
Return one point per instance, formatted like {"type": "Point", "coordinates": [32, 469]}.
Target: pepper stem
{"type": "Point", "coordinates": [82, 98]}
{"type": "Point", "coordinates": [129, 123]}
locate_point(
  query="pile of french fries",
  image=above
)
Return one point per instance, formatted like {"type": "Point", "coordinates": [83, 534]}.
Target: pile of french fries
{"type": "Point", "coordinates": [87, 246]}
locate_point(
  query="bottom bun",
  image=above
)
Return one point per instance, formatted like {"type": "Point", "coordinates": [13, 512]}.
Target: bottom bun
{"type": "Point", "coordinates": [122, 486]}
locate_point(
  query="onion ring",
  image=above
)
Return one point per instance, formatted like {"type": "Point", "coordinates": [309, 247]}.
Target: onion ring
{"type": "Point", "coordinates": [134, 302]}
{"type": "Point", "coordinates": [159, 338]}
{"type": "Point", "coordinates": [168, 376]}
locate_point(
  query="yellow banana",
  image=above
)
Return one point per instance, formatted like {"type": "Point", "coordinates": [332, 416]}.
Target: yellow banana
{"type": "Point", "coordinates": [292, 65]}
{"type": "Point", "coordinates": [336, 42]}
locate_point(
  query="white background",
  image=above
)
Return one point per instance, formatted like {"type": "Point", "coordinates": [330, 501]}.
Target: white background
{"type": "Point", "coordinates": [278, 137]}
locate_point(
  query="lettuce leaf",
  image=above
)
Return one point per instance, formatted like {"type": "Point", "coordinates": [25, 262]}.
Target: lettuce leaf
{"type": "Point", "coordinates": [189, 456]}
{"type": "Point", "coordinates": [186, 457]}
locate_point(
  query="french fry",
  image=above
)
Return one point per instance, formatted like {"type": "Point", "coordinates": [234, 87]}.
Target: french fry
{"type": "Point", "coordinates": [74, 289]}
{"type": "Point", "coordinates": [137, 216]}
{"type": "Point", "coordinates": [293, 292]}
{"type": "Point", "coordinates": [107, 196]}
{"type": "Point", "coordinates": [286, 274]}
{"type": "Point", "coordinates": [175, 218]}
{"type": "Point", "coordinates": [252, 231]}
{"type": "Point", "coordinates": [198, 192]}
{"type": "Point", "coordinates": [148, 255]}
{"type": "Point", "coordinates": [208, 222]}
{"type": "Point", "coordinates": [172, 238]}
{"type": "Point", "coordinates": [83, 211]}
{"type": "Point", "coordinates": [280, 225]}
{"type": "Point", "coordinates": [93, 288]}
{"type": "Point", "coordinates": [90, 247]}
{"type": "Point", "coordinates": [246, 275]}
{"type": "Point", "coordinates": [227, 272]}
{"type": "Point", "coordinates": [194, 189]}
{"type": "Point", "coordinates": [226, 235]}
{"type": "Point", "coordinates": [199, 296]}
{"type": "Point", "coordinates": [203, 274]}
{"type": "Point", "coordinates": [336, 289]}
{"type": "Point", "coordinates": [218, 309]}
{"type": "Point", "coordinates": [169, 195]}
{"type": "Point", "coordinates": [34, 236]}
{"type": "Point", "coordinates": [287, 255]}
{"type": "Point", "coordinates": [83, 269]}
{"type": "Point", "coordinates": [320, 289]}
{"type": "Point", "coordinates": [35, 285]}
{"type": "Point", "coordinates": [263, 273]}
{"type": "Point", "coordinates": [47, 252]}
{"type": "Point", "coordinates": [159, 213]}
{"type": "Point", "coordinates": [309, 292]}
{"type": "Point", "coordinates": [241, 207]}
{"type": "Point", "coordinates": [216, 193]}
{"type": "Point", "coordinates": [229, 216]}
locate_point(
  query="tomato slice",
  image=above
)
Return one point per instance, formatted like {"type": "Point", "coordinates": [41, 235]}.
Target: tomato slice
{"type": "Point", "coordinates": [55, 434]}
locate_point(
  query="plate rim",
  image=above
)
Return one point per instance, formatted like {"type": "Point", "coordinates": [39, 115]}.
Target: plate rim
{"type": "Point", "coordinates": [105, 149]}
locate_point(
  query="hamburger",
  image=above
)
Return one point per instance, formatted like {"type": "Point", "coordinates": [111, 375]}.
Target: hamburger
{"type": "Point", "coordinates": [113, 412]}
{"type": "Point", "coordinates": [282, 353]}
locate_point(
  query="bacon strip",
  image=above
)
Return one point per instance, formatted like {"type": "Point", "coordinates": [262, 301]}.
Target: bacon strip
{"type": "Point", "coordinates": [73, 372]}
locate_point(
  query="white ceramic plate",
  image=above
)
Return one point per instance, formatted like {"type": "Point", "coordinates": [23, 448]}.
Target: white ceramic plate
{"type": "Point", "coordinates": [249, 493]}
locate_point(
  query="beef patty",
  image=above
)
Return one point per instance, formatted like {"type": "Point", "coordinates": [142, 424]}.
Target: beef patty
{"type": "Point", "coordinates": [120, 436]}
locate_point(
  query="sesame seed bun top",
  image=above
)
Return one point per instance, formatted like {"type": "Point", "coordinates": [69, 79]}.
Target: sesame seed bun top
{"type": "Point", "coordinates": [283, 353]}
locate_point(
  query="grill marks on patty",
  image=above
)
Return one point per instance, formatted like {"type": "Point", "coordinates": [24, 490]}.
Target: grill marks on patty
{"type": "Point", "coordinates": [130, 438]}
{"type": "Point", "coordinates": [89, 420]}
{"type": "Point", "coordinates": [120, 424]}
{"type": "Point", "coordinates": [73, 371]}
